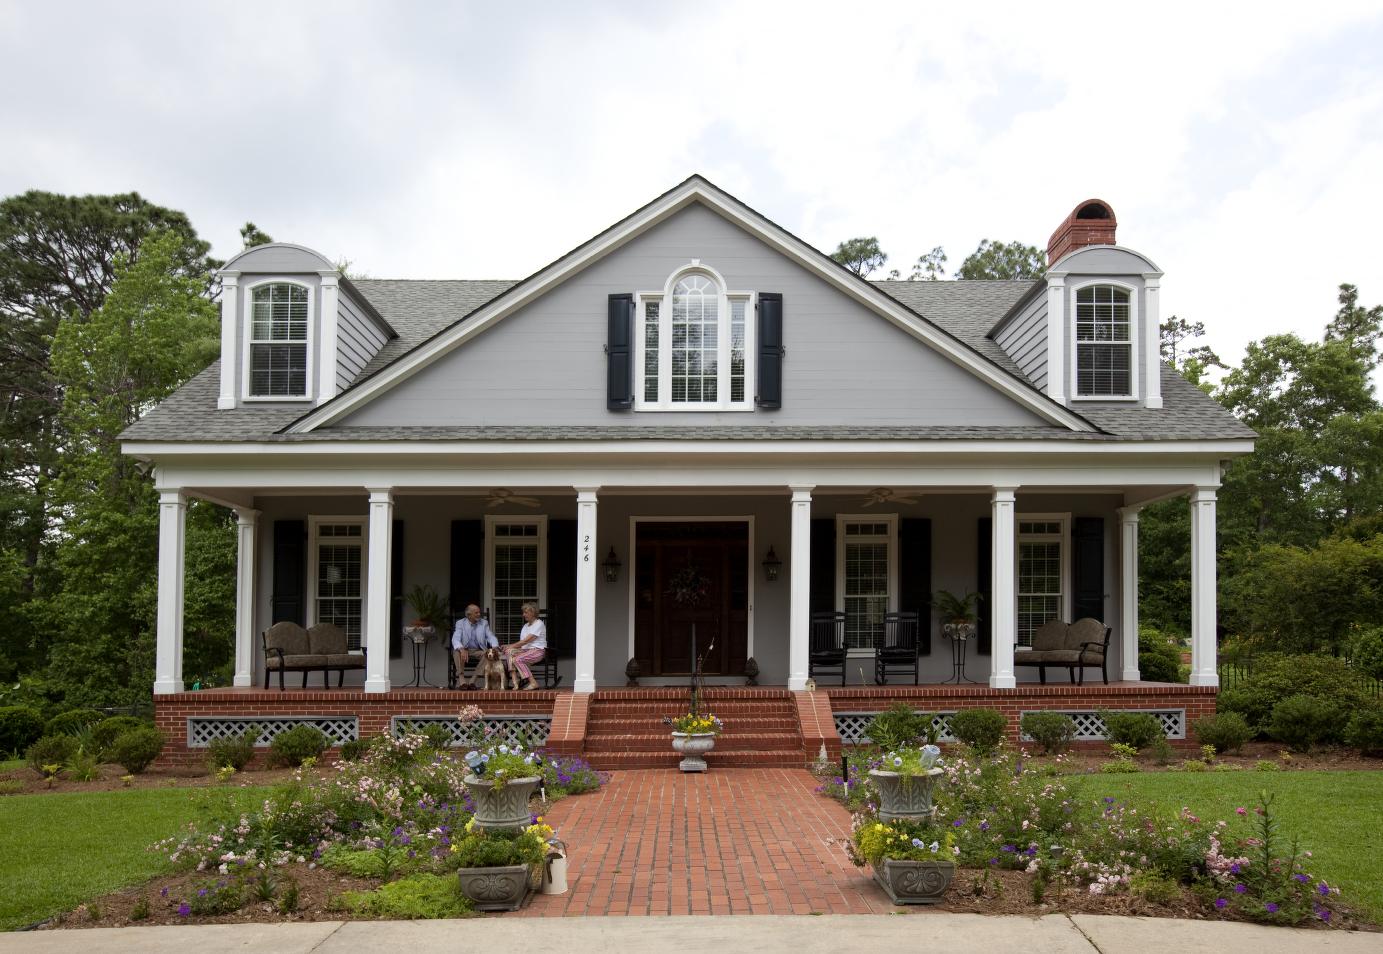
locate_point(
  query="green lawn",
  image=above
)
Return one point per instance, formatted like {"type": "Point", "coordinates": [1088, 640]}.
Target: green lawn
{"type": "Point", "coordinates": [1338, 816]}
{"type": "Point", "coordinates": [59, 850]}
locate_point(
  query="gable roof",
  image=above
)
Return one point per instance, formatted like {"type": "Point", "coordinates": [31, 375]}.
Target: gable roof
{"type": "Point", "coordinates": [699, 190]}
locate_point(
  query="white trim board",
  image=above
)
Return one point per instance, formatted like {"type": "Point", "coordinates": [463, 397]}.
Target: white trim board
{"type": "Point", "coordinates": [694, 189]}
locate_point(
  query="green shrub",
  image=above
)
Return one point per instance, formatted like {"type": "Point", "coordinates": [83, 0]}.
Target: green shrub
{"type": "Point", "coordinates": [438, 736]}
{"type": "Point", "coordinates": [1226, 731]}
{"type": "Point", "coordinates": [495, 849]}
{"type": "Point", "coordinates": [136, 750]}
{"type": "Point", "coordinates": [981, 729]}
{"type": "Point", "coordinates": [899, 726]}
{"type": "Point", "coordinates": [355, 749]}
{"type": "Point", "coordinates": [1266, 765]}
{"type": "Point", "coordinates": [72, 721]}
{"type": "Point", "coordinates": [1366, 652]}
{"type": "Point", "coordinates": [105, 732]}
{"type": "Point", "coordinates": [1365, 731]}
{"type": "Point", "coordinates": [20, 727]}
{"type": "Point", "coordinates": [235, 750]}
{"type": "Point", "coordinates": [1303, 721]}
{"type": "Point", "coordinates": [11, 786]}
{"type": "Point", "coordinates": [1052, 730]}
{"type": "Point", "coordinates": [292, 746]}
{"type": "Point", "coordinates": [1159, 658]}
{"type": "Point", "coordinates": [1194, 765]}
{"type": "Point", "coordinates": [216, 897]}
{"type": "Point", "coordinates": [83, 765]}
{"type": "Point", "coordinates": [1136, 729]}
{"type": "Point", "coordinates": [419, 896]}
{"type": "Point", "coordinates": [50, 750]}
{"type": "Point", "coordinates": [1275, 677]}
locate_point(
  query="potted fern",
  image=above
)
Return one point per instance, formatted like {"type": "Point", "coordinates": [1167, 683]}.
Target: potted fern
{"type": "Point", "coordinates": [429, 607]}
{"type": "Point", "coordinates": [958, 614]}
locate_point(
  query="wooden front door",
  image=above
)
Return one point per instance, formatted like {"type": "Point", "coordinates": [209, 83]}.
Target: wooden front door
{"type": "Point", "coordinates": [691, 583]}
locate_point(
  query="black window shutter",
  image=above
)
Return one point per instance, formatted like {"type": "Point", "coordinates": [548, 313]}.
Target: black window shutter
{"type": "Point", "coordinates": [289, 598]}
{"type": "Point", "coordinates": [984, 585]}
{"type": "Point", "coordinates": [1087, 570]}
{"type": "Point", "coordinates": [823, 569]}
{"type": "Point", "coordinates": [561, 588]}
{"type": "Point", "coordinates": [396, 593]}
{"type": "Point", "coordinates": [915, 576]}
{"type": "Point", "coordinates": [769, 381]}
{"type": "Point", "coordinates": [467, 565]}
{"type": "Point", "coordinates": [619, 353]}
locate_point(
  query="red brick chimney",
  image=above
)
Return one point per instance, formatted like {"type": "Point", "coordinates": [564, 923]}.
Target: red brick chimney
{"type": "Point", "coordinates": [1090, 223]}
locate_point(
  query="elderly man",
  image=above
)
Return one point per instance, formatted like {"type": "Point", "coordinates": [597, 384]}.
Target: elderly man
{"type": "Point", "coordinates": [472, 636]}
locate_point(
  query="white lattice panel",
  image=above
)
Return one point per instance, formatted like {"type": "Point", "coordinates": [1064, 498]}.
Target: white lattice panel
{"type": "Point", "coordinates": [202, 730]}
{"type": "Point", "coordinates": [1090, 727]}
{"type": "Point", "coordinates": [529, 731]}
{"type": "Point", "coordinates": [853, 727]}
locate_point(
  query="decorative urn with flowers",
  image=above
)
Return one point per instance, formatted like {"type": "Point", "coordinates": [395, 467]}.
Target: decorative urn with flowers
{"type": "Point", "coordinates": [693, 735]}
{"type": "Point", "coordinates": [905, 778]}
{"type": "Point", "coordinates": [912, 862]}
{"type": "Point", "coordinates": [501, 781]}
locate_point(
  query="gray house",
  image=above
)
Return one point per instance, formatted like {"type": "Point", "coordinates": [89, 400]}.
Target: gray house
{"type": "Point", "coordinates": [693, 401]}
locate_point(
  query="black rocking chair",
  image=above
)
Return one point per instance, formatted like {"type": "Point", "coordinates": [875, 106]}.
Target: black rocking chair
{"type": "Point", "coordinates": [826, 648]}
{"type": "Point", "coordinates": [898, 651]}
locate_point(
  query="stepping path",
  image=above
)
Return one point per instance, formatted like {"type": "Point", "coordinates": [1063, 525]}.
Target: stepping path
{"type": "Point", "coordinates": [731, 841]}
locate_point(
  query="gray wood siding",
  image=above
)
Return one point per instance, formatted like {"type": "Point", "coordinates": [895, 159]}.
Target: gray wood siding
{"type": "Point", "coordinates": [1025, 340]}
{"type": "Point", "coordinates": [546, 363]}
{"type": "Point", "coordinates": [358, 339]}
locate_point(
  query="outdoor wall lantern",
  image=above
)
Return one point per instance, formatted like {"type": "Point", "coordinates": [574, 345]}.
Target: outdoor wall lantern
{"type": "Point", "coordinates": [611, 565]}
{"type": "Point", "coordinates": [772, 565]}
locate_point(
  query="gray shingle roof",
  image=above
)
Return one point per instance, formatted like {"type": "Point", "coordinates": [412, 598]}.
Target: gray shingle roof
{"type": "Point", "coordinates": [417, 310]}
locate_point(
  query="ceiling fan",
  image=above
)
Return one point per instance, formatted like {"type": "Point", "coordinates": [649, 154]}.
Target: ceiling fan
{"type": "Point", "coordinates": [499, 497]}
{"type": "Point", "coordinates": [886, 495]}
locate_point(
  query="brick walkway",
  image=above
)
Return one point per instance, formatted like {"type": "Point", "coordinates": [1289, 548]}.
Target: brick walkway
{"type": "Point", "coordinates": [731, 841]}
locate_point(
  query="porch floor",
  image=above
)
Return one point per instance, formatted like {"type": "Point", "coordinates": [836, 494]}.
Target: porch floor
{"type": "Point", "coordinates": [731, 841]}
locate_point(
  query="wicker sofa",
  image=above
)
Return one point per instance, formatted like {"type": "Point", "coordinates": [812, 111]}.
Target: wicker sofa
{"type": "Point", "coordinates": [1069, 646]}
{"type": "Point", "coordinates": [323, 648]}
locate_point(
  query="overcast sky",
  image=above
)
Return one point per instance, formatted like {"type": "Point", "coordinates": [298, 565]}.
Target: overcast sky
{"type": "Point", "coordinates": [1241, 149]}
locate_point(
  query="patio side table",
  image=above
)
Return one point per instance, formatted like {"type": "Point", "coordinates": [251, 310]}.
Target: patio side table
{"type": "Point", "coordinates": [419, 636]}
{"type": "Point", "coordinates": [959, 634]}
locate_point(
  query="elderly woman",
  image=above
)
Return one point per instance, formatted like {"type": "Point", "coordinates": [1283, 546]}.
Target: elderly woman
{"type": "Point", "coordinates": [531, 647]}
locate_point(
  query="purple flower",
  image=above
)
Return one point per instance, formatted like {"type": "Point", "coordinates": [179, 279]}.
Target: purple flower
{"type": "Point", "coordinates": [163, 893]}
{"type": "Point", "coordinates": [1302, 878]}
{"type": "Point", "coordinates": [1221, 904]}
{"type": "Point", "coordinates": [1323, 889]}
{"type": "Point", "coordinates": [1008, 848]}
{"type": "Point", "coordinates": [1323, 914]}
{"type": "Point", "coordinates": [201, 892]}
{"type": "Point", "coordinates": [1239, 889]}
{"type": "Point", "coordinates": [984, 826]}
{"type": "Point", "coordinates": [1270, 908]}
{"type": "Point", "coordinates": [184, 909]}
{"type": "Point", "coordinates": [959, 822]}
{"type": "Point", "coordinates": [1234, 868]}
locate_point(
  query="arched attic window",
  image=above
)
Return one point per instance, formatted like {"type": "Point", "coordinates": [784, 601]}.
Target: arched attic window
{"type": "Point", "coordinates": [278, 340]}
{"type": "Point", "coordinates": [694, 342]}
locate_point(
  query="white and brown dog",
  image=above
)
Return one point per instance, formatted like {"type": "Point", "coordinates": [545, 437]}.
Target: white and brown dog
{"type": "Point", "coordinates": [493, 670]}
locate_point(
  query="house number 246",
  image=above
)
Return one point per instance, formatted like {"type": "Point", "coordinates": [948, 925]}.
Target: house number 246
{"type": "Point", "coordinates": [586, 549]}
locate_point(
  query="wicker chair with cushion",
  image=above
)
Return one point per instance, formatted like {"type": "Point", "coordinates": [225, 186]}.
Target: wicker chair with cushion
{"type": "Point", "coordinates": [1068, 646]}
{"type": "Point", "coordinates": [286, 650]}
{"type": "Point", "coordinates": [329, 640]}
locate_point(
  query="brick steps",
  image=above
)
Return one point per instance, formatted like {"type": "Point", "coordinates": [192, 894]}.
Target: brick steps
{"type": "Point", "coordinates": [729, 742]}
{"type": "Point", "coordinates": [615, 761]}
{"type": "Point", "coordinates": [632, 725]}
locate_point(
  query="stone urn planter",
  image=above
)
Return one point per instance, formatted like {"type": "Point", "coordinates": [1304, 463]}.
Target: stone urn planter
{"type": "Point", "coordinates": [693, 747]}
{"type": "Point", "coordinates": [914, 882]}
{"type": "Point", "coordinates": [905, 797]}
{"type": "Point", "coordinates": [503, 807]}
{"type": "Point", "coordinates": [497, 889]}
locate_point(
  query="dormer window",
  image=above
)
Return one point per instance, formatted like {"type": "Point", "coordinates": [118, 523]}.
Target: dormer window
{"type": "Point", "coordinates": [694, 341]}
{"type": "Point", "coordinates": [1104, 342]}
{"type": "Point", "coordinates": [278, 340]}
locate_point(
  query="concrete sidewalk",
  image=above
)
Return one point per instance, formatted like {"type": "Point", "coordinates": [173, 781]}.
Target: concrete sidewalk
{"type": "Point", "coordinates": [828, 934]}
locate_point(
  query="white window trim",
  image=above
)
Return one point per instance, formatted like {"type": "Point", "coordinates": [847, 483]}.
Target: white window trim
{"type": "Point", "coordinates": [664, 297]}
{"type": "Point", "coordinates": [1135, 339]}
{"type": "Point", "coordinates": [892, 520]}
{"type": "Point", "coordinates": [1066, 597]}
{"type": "Point", "coordinates": [247, 313]}
{"type": "Point", "coordinates": [314, 524]}
{"type": "Point", "coordinates": [491, 520]}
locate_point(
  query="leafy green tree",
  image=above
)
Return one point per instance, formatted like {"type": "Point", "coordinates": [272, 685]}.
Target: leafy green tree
{"type": "Point", "coordinates": [1013, 260]}
{"type": "Point", "coordinates": [154, 330]}
{"type": "Point", "coordinates": [252, 235]}
{"type": "Point", "coordinates": [860, 255]}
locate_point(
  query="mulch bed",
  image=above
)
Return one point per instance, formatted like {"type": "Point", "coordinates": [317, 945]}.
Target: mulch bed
{"type": "Point", "coordinates": [111, 780]}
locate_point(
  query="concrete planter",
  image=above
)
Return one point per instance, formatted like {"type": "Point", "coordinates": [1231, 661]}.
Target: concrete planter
{"type": "Point", "coordinates": [693, 747]}
{"type": "Point", "coordinates": [505, 807]}
{"type": "Point", "coordinates": [904, 797]}
{"type": "Point", "coordinates": [914, 882]}
{"type": "Point", "coordinates": [497, 889]}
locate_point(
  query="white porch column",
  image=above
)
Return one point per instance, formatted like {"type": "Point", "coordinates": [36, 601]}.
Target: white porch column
{"type": "Point", "coordinates": [585, 588]}
{"type": "Point", "coordinates": [172, 543]}
{"type": "Point", "coordinates": [247, 525]}
{"type": "Point", "coordinates": [1203, 668]}
{"type": "Point", "coordinates": [1128, 592]}
{"type": "Point", "coordinates": [1003, 608]}
{"type": "Point", "coordinates": [800, 591]}
{"type": "Point", "coordinates": [230, 340]}
{"type": "Point", "coordinates": [377, 590]}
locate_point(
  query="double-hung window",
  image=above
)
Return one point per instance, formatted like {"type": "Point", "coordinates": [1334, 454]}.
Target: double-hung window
{"type": "Point", "coordinates": [338, 574]}
{"type": "Point", "coordinates": [867, 558]}
{"type": "Point", "coordinates": [1043, 585]}
{"type": "Point", "coordinates": [1104, 342]}
{"type": "Point", "coordinates": [516, 557]}
{"type": "Point", "coordinates": [694, 339]}
{"type": "Point", "coordinates": [278, 340]}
